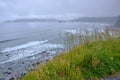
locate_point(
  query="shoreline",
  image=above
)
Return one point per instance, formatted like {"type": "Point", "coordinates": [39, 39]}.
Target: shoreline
{"type": "Point", "coordinates": [18, 68]}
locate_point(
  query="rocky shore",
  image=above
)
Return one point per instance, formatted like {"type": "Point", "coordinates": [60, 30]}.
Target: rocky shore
{"type": "Point", "coordinates": [18, 68]}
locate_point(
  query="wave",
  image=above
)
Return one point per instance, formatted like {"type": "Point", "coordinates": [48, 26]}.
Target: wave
{"type": "Point", "coordinates": [86, 31]}
{"type": "Point", "coordinates": [3, 41]}
{"type": "Point", "coordinates": [29, 44]}
{"type": "Point", "coordinates": [28, 49]}
{"type": "Point", "coordinates": [72, 31]}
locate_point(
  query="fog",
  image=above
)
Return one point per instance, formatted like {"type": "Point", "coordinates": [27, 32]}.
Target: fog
{"type": "Point", "coordinates": [11, 9]}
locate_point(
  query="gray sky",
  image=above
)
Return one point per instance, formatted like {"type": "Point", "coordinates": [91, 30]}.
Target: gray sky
{"type": "Point", "coordinates": [11, 9]}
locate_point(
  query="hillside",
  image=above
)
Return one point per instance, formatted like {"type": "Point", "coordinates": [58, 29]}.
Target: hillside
{"type": "Point", "coordinates": [96, 19]}
{"type": "Point", "coordinates": [32, 20]}
{"type": "Point", "coordinates": [84, 19]}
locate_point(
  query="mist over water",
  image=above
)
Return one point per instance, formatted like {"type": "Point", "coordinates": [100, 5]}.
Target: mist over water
{"type": "Point", "coordinates": [30, 38]}
{"type": "Point", "coordinates": [13, 9]}
{"type": "Point", "coordinates": [35, 31]}
{"type": "Point", "coordinates": [12, 34]}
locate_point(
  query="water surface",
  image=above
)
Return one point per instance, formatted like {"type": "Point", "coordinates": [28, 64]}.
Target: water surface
{"type": "Point", "coordinates": [23, 39]}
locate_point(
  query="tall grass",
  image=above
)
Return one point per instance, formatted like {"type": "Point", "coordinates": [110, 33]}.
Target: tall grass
{"type": "Point", "coordinates": [90, 57]}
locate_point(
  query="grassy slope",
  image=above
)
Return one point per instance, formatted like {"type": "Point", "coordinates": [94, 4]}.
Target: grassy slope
{"type": "Point", "coordinates": [89, 61]}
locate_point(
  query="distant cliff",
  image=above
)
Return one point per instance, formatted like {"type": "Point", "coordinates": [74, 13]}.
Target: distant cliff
{"type": "Point", "coordinates": [32, 20]}
{"type": "Point", "coordinates": [96, 19]}
{"type": "Point", "coordinates": [84, 19]}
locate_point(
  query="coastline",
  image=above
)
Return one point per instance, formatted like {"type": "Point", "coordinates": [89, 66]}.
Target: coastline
{"type": "Point", "coordinates": [18, 68]}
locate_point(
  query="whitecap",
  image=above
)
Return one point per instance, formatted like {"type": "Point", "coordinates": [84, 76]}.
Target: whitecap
{"type": "Point", "coordinates": [28, 49]}
{"type": "Point", "coordinates": [72, 31]}
{"type": "Point", "coordinates": [29, 44]}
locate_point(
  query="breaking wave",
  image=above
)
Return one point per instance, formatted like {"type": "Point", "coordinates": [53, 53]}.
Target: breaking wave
{"type": "Point", "coordinates": [26, 50]}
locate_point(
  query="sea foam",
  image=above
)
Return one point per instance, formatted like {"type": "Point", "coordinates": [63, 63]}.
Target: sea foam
{"type": "Point", "coordinates": [28, 49]}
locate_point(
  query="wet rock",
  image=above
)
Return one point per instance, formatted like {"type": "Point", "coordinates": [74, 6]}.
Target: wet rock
{"type": "Point", "coordinates": [23, 63]}
{"type": "Point", "coordinates": [20, 67]}
{"type": "Point", "coordinates": [38, 63]}
{"type": "Point", "coordinates": [8, 73]}
{"type": "Point", "coordinates": [7, 54]}
{"type": "Point", "coordinates": [23, 74]}
{"type": "Point", "coordinates": [11, 78]}
{"type": "Point", "coordinates": [9, 68]}
{"type": "Point", "coordinates": [2, 79]}
{"type": "Point", "coordinates": [12, 63]}
{"type": "Point", "coordinates": [33, 64]}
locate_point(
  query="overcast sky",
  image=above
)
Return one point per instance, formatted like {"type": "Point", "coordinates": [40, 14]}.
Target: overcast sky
{"type": "Point", "coordinates": [11, 9]}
